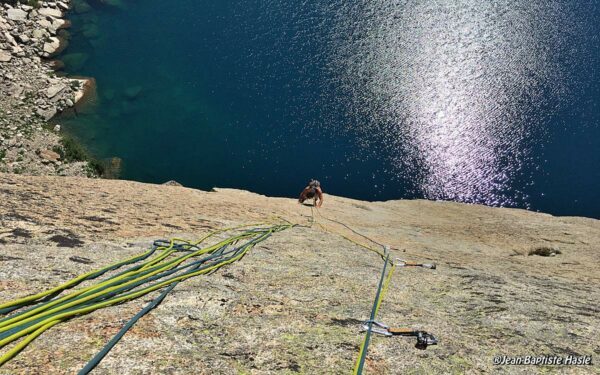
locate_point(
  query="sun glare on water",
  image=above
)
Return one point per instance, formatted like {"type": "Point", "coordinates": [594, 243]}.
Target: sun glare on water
{"type": "Point", "coordinates": [451, 88]}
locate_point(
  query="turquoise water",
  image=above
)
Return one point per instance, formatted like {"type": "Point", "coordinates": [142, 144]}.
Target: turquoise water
{"type": "Point", "coordinates": [494, 104]}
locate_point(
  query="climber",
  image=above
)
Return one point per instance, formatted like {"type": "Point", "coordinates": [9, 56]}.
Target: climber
{"type": "Point", "coordinates": [312, 191]}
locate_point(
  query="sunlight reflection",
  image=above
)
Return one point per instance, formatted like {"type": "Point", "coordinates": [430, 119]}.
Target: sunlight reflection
{"type": "Point", "coordinates": [451, 87]}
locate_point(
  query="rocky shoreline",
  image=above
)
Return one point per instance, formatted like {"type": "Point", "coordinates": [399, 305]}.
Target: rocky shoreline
{"type": "Point", "coordinates": [32, 94]}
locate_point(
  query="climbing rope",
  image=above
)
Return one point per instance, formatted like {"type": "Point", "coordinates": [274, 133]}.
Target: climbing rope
{"type": "Point", "coordinates": [382, 287]}
{"type": "Point", "coordinates": [163, 271]}
{"type": "Point", "coordinates": [163, 266]}
{"type": "Point", "coordinates": [381, 253]}
{"type": "Point", "coordinates": [424, 339]}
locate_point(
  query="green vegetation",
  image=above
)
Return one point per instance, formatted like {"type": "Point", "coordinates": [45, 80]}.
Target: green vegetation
{"type": "Point", "coordinates": [95, 168]}
{"type": "Point", "coordinates": [70, 150]}
{"type": "Point", "coordinates": [75, 85]}
{"type": "Point", "coordinates": [2, 154]}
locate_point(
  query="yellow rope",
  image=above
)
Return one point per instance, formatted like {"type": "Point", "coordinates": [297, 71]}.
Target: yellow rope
{"type": "Point", "coordinates": [17, 348]}
{"type": "Point", "coordinates": [384, 289]}
{"type": "Point", "coordinates": [386, 283]}
{"type": "Point", "coordinates": [66, 285]}
{"type": "Point", "coordinates": [45, 324]}
{"type": "Point", "coordinates": [42, 319]}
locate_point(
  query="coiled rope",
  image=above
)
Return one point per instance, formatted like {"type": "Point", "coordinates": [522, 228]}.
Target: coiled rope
{"type": "Point", "coordinates": [165, 269]}
{"type": "Point", "coordinates": [49, 309]}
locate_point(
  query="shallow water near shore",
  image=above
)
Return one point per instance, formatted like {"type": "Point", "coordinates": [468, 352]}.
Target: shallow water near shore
{"type": "Point", "coordinates": [494, 104]}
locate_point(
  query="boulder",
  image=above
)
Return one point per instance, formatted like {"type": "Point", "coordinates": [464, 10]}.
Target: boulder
{"type": "Point", "coordinates": [172, 183]}
{"type": "Point", "coordinates": [5, 56]}
{"type": "Point", "coordinates": [16, 14]}
{"type": "Point", "coordinates": [81, 7]}
{"type": "Point", "coordinates": [87, 88]}
{"type": "Point", "coordinates": [90, 30]}
{"type": "Point", "coordinates": [52, 46]}
{"type": "Point", "coordinates": [53, 90]}
{"type": "Point", "coordinates": [57, 24]}
{"type": "Point", "coordinates": [46, 24]}
{"type": "Point", "coordinates": [114, 3]}
{"type": "Point", "coordinates": [62, 6]}
{"type": "Point", "coordinates": [23, 38]}
{"type": "Point", "coordinates": [16, 50]}
{"type": "Point", "coordinates": [75, 61]}
{"type": "Point", "coordinates": [47, 114]}
{"type": "Point", "coordinates": [49, 156]}
{"type": "Point", "coordinates": [38, 33]}
{"type": "Point", "coordinates": [10, 39]}
{"type": "Point", "coordinates": [56, 64]}
{"type": "Point", "coordinates": [56, 13]}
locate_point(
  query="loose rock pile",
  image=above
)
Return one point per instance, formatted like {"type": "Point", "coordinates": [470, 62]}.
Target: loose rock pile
{"type": "Point", "coordinates": [31, 94]}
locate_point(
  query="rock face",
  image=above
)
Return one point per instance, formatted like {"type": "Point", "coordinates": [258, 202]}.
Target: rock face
{"type": "Point", "coordinates": [295, 302]}
{"type": "Point", "coordinates": [31, 94]}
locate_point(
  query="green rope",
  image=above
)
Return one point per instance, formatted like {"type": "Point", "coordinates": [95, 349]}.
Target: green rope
{"type": "Point", "coordinates": [163, 271]}
{"type": "Point", "coordinates": [365, 345]}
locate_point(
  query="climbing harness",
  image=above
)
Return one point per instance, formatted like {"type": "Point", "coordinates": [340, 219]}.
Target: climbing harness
{"type": "Point", "coordinates": [163, 268]}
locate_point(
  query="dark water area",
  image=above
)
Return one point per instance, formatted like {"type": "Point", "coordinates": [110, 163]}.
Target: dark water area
{"type": "Point", "coordinates": [484, 103]}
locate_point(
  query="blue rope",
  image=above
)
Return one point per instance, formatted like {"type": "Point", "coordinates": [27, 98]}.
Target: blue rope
{"type": "Point", "coordinates": [196, 267]}
{"type": "Point", "coordinates": [109, 345]}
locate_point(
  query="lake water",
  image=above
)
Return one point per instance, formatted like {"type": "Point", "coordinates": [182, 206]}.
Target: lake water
{"type": "Point", "coordinates": [458, 100]}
